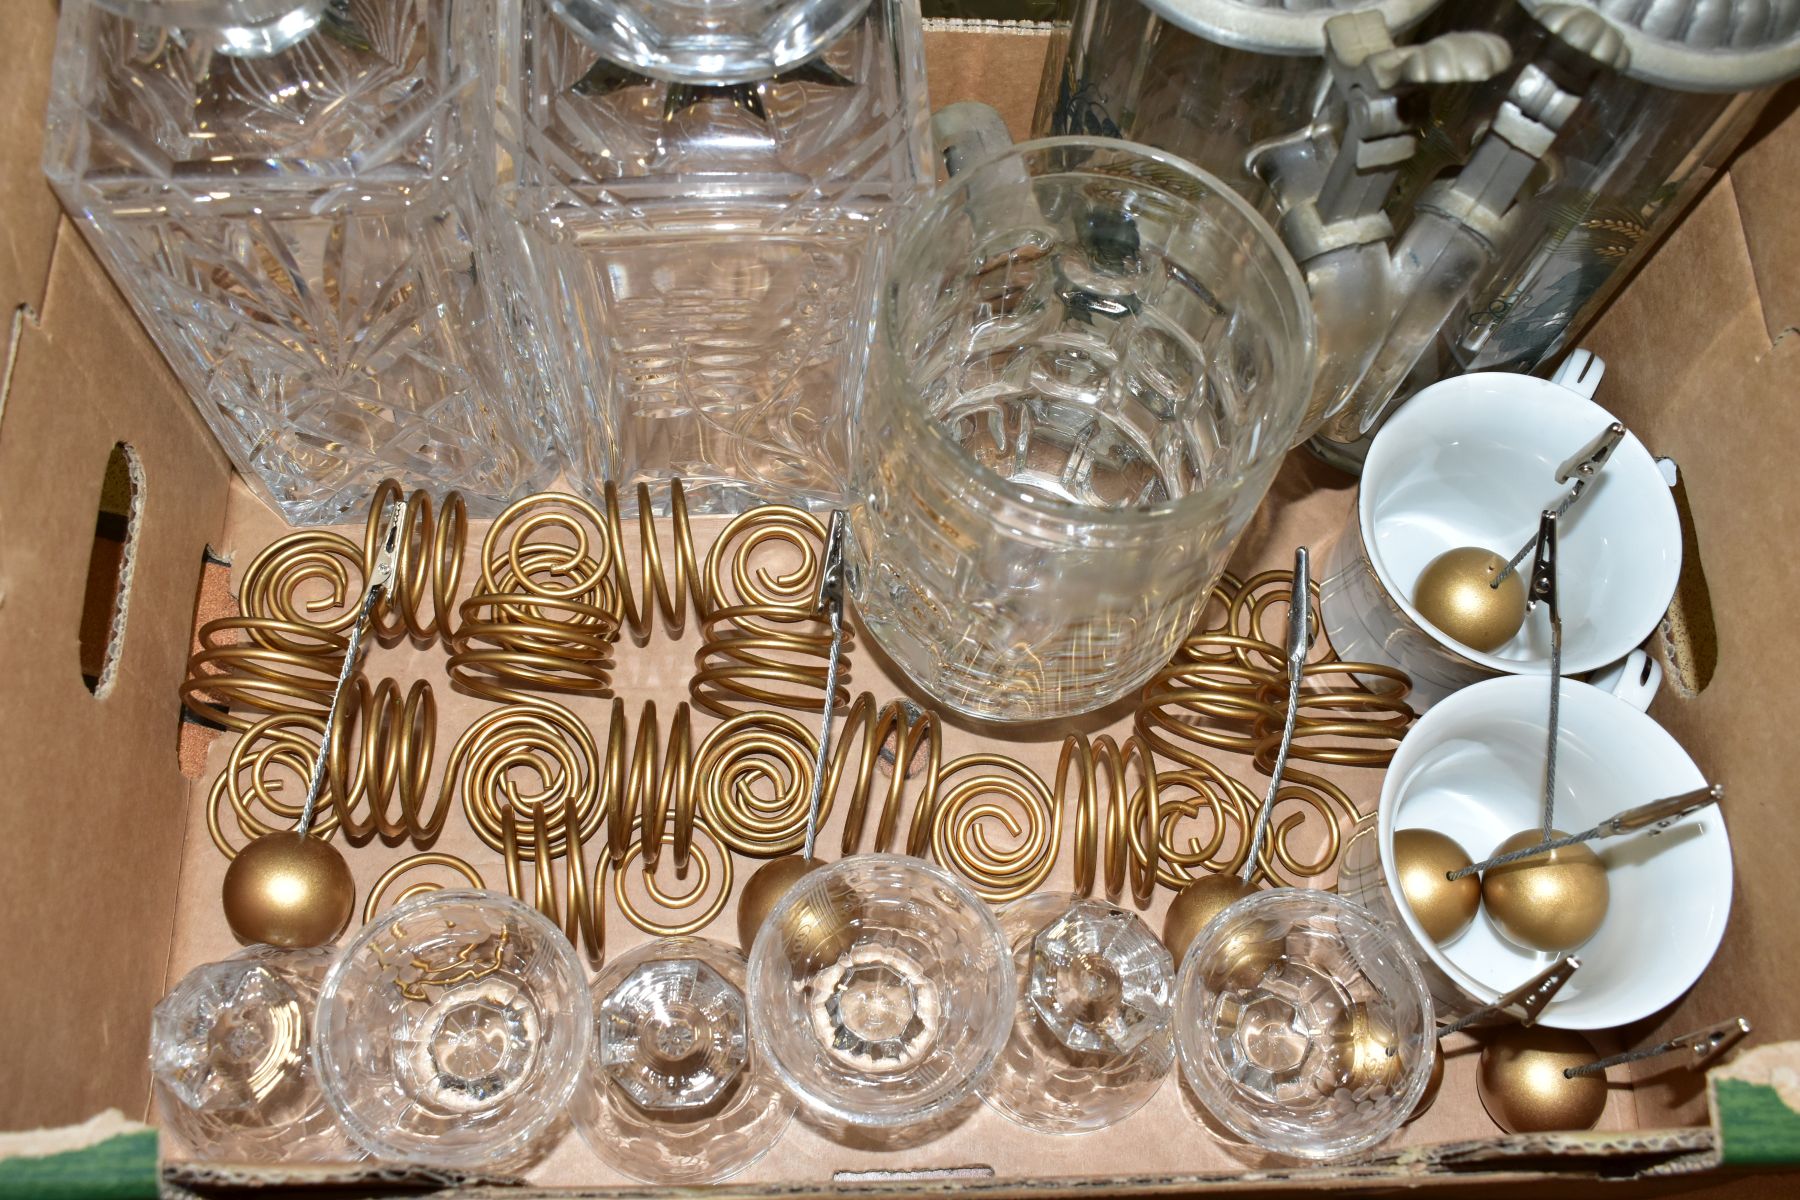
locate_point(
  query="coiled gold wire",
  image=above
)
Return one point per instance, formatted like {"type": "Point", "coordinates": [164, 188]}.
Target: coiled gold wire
{"type": "Point", "coordinates": [908, 735]}
{"type": "Point", "coordinates": [1000, 826]}
{"type": "Point", "coordinates": [311, 577]}
{"type": "Point", "coordinates": [712, 872]}
{"type": "Point", "coordinates": [581, 910]}
{"type": "Point", "coordinates": [753, 783]}
{"type": "Point", "coordinates": [753, 776]}
{"type": "Point", "coordinates": [666, 584]}
{"type": "Point", "coordinates": [979, 793]}
{"type": "Point", "coordinates": [420, 601]}
{"type": "Point", "coordinates": [646, 798]}
{"type": "Point", "coordinates": [411, 865]}
{"type": "Point", "coordinates": [278, 746]}
{"type": "Point", "coordinates": [537, 745]}
{"type": "Point", "coordinates": [381, 749]}
{"type": "Point", "coordinates": [544, 613]}
{"type": "Point", "coordinates": [1306, 796]}
{"type": "Point", "coordinates": [1231, 809]}
{"type": "Point", "coordinates": [248, 667]}
{"type": "Point", "coordinates": [555, 591]}
{"type": "Point", "coordinates": [1226, 688]}
{"type": "Point", "coordinates": [1127, 844]}
{"type": "Point", "coordinates": [641, 789]}
{"type": "Point", "coordinates": [281, 653]}
{"type": "Point", "coordinates": [528, 776]}
{"type": "Point", "coordinates": [763, 641]}
{"type": "Point", "coordinates": [649, 792]}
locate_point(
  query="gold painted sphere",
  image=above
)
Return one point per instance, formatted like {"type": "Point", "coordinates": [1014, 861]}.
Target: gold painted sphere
{"type": "Point", "coordinates": [1361, 1044]}
{"type": "Point", "coordinates": [764, 890]}
{"type": "Point", "coordinates": [1522, 1085]}
{"type": "Point", "coordinates": [287, 890]}
{"type": "Point", "coordinates": [1196, 905]}
{"type": "Point", "coordinates": [1246, 953]}
{"type": "Point", "coordinates": [1422, 860]}
{"type": "Point", "coordinates": [1455, 594]}
{"type": "Point", "coordinates": [1549, 902]}
{"type": "Point", "coordinates": [819, 923]}
{"type": "Point", "coordinates": [1432, 1083]}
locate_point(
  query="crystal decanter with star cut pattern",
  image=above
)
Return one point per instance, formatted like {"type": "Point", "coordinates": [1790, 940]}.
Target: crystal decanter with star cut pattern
{"type": "Point", "coordinates": [283, 191]}
{"type": "Point", "coordinates": [701, 194]}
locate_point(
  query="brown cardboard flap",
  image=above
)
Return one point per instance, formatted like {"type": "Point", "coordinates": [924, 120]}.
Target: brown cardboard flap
{"type": "Point", "coordinates": [93, 828]}
{"type": "Point", "coordinates": [1690, 368]}
{"type": "Point", "coordinates": [1161, 1142]}
{"type": "Point", "coordinates": [996, 62]}
{"type": "Point", "coordinates": [1763, 178]}
{"type": "Point", "coordinates": [29, 230]}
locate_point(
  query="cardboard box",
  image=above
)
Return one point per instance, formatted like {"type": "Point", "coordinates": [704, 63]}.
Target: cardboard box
{"type": "Point", "coordinates": [113, 881]}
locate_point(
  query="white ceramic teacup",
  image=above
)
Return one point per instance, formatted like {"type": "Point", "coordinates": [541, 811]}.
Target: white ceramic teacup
{"type": "Point", "coordinates": [1472, 461]}
{"type": "Point", "coordinates": [1473, 768]}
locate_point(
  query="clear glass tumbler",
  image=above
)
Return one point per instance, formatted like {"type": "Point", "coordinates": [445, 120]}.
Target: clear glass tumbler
{"type": "Point", "coordinates": [1090, 359]}
{"type": "Point", "coordinates": [675, 1090]}
{"type": "Point", "coordinates": [1303, 1024]}
{"type": "Point", "coordinates": [230, 1054]}
{"type": "Point", "coordinates": [881, 990]}
{"type": "Point", "coordinates": [453, 1030]}
{"type": "Point", "coordinates": [1090, 1039]}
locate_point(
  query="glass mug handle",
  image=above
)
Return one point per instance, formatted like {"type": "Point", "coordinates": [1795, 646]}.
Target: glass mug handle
{"type": "Point", "coordinates": [1633, 679]}
{"type": "Point", "coordinates": [968, 133]}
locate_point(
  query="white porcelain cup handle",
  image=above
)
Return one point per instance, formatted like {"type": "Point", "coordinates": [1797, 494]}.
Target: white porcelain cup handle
{"type": "Point", "coordinates": [1633, 679]}
{"type": "Point", "coordinates": [1580, 373]}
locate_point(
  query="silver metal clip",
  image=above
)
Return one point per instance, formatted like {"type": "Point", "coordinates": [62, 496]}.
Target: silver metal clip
{"type": "Point", "coordinates": [1299, 630]}
{"type": "Point", "coordinates": [831, 574]}
{"type": "Point", "coordinates": [1299, 641]}
{"type": "Point", "coordinates": [1527, 1001]}
{"type": "Point", "coordinates": [1658, 815]}
{"type": "Point", "coordinates": [1543, 567]}
{"type": "Point", "coordinates": [1706, 1044]}
{"type": "Point", "coordinates": [829, 603]}
{"type": "Point", "coordinates": [387, 559]}
{"type": "Point", "coordinates": [1581, 466]}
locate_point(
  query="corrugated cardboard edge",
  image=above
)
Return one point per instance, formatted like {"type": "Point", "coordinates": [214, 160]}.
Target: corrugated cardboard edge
{"type": "Point", "coordinates": [106, 1156]}
{"type": "Point", "coordinates": [1000, 67]}
{"type": "Point", "coordinates": [115, 1157]}
{"type": "Point", "coordinates": [1755, 1106]}
{"type": "Point", "coordinates": [93, 931]}
{"type": "Point", "coordinates": [195, 1179]}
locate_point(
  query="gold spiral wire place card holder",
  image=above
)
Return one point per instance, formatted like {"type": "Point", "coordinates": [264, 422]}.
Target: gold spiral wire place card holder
{"type": "Point", "coordinates": [281, 653]}
{"type": "Point", "coordinates": [1225, 691]}
{"type": "Point", "coordinates": [552, 597]}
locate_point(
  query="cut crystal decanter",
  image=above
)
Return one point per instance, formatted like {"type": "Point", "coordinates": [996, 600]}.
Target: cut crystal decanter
{"type": "Point", "coordinates": [700, 195]}
{"type": "Point", "coordinates": [283, 190]}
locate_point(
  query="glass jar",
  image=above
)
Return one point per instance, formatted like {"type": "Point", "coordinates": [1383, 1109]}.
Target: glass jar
{"type": "Point", "coordinates": [452, 1032]}
{"type": "Point", "coordinates": [675, 1091]}
{"type": "Point", "coordinates": [701, 196]}
{"type": "Point", "coordinates": [1090, 1040]}
{"type": "Point", "coordinates": [1303, 1025]}
{"type": "Point", "coordinates": [1090, 359]}
{"type": "Point", "coordinates": [282, 189]}
{"type": "Point", "coordinates": [231, 1060]}
{"type": "Point", "coordinates": [1205, 79]}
